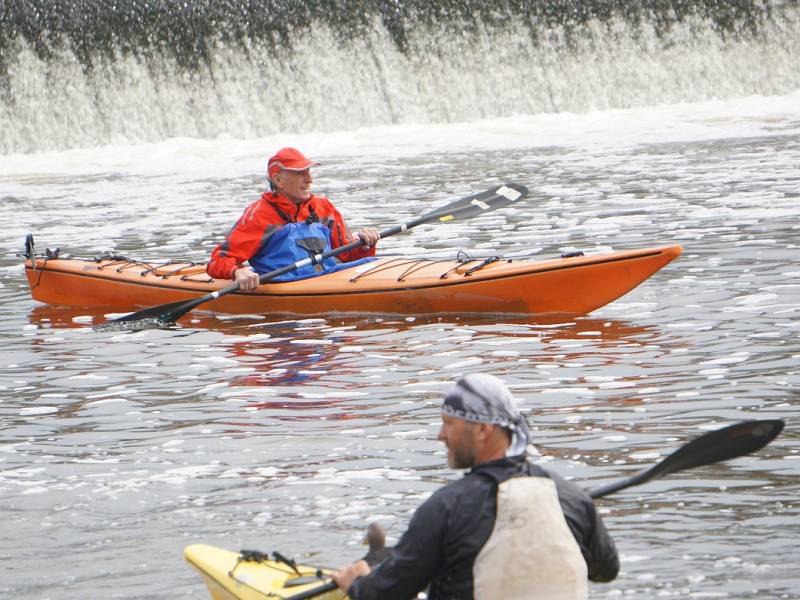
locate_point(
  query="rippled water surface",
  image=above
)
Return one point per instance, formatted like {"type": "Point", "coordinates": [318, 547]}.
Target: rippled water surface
{"type": "Point", "coordinates": [118, 449]}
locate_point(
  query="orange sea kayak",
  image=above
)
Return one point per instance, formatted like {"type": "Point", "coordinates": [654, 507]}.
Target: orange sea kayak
{"type": "Point", "coordinates": [575, 285]}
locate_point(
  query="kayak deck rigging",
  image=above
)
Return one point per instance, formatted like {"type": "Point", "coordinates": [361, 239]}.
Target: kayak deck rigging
{"type": "Point", "coordinates": [186, 270]}
{"type": "Point", "coordinates": [414, 265]}
{"type": "Point", "coordinates": [196, 271]}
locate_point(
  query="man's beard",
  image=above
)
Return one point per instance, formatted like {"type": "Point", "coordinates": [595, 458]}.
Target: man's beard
{"type": "Point", "coordinates": [461, 458]}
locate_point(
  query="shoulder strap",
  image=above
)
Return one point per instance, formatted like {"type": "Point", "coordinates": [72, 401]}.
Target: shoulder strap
{"type": "Point", "coordinates": [312, 216]}
{"type": "Point", "coordinates": [282, 214]}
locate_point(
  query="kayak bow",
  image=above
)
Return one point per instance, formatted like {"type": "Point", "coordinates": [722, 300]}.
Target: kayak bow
{"type": "Point", "coordinates": [247, 576]}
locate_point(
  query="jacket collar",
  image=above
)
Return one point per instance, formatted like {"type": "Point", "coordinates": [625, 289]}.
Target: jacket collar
{"type": "Point", "coordinates": [284, 206]}
{"type": "Point", "coordinates": [504, 468]}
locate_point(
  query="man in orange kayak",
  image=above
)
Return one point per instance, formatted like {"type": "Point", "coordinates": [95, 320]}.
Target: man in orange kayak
{"type": "Point", "coordinates": [507, 529]}
{"type": "Point", "coordinates": [285, 225]}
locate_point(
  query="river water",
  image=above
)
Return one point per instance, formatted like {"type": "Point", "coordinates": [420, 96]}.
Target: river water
{"type": "Point", "coordinates": [117, 449]}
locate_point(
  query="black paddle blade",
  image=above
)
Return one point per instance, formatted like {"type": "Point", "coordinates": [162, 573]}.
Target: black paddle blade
{"type": "Point", "coordinates": [716, 446]}
{"type": "Point", "coordinates": [471, 206]}
{"type": "Point", "coordinates": [155, 316]}
{"type": "Point", "coordinates": [723, 444]}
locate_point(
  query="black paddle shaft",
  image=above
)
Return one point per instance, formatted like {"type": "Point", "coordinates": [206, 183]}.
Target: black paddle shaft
{"type": "Point", "coordinates": [464, 208]}
{"type": "Point", "coordinates": [715, 446]}
{"type": "Point", "coordinates": [313, 593]}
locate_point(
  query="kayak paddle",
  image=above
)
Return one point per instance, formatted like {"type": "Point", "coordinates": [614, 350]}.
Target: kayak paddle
{"type": "Point", "coordinates": [464, 208]}
{"type": "Point", "coordinates": [715, 446]}
{"type": "Point", "coordinates": [712, 447]}
{"type": "Point", "coordinates": [313, 593]}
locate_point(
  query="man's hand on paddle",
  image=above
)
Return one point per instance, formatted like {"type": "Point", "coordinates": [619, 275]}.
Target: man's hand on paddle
{"type": "Point", "coordinates": [246, 278]}
{"type": "Point", "coordinates": [345, 576]}
{"type": "Point", "coordinates": [369, 235]}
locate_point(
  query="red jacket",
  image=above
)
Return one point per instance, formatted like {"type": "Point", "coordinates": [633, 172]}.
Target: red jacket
{"type": "Point", "coordinates": [265, 216]}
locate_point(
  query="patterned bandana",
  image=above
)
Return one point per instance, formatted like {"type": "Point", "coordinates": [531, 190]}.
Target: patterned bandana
{"type": "Point", "coordinates": [481, 398]}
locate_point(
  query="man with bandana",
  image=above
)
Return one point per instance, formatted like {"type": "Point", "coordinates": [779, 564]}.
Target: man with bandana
{"type": "Point", "coordinates": [508, 529]}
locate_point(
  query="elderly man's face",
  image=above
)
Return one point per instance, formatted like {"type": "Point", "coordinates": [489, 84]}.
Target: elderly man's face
{"type": "Point", "coordinates": [295, 185]}
{"type": "Point", "coordinates": [460, 437]}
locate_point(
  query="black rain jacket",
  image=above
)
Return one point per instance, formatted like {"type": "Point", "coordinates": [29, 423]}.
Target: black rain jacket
{"type": "Point", "coordinates": [449, 529]}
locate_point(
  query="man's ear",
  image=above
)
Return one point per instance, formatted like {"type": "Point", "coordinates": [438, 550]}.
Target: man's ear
{"type": "Point", "coordinates": [485, 430]}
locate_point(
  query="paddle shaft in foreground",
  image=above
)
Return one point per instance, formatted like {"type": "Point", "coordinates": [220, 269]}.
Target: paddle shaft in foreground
{"type": "Point", "coordinates": [723, 444]}
{"type": "Point", "coordinates": [327, 587]}
{"type": "Point", "coordinates": [464, 208]}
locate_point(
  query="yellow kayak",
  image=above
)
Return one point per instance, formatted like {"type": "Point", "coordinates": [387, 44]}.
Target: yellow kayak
{"type": "Point", "coordinates": [252, 575]}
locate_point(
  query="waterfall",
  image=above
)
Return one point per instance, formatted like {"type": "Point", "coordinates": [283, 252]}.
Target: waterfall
{"type": "Point", "coordinates": [84, 73]}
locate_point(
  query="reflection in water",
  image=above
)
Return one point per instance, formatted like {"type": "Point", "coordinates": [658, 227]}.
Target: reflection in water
{"type": "Point", "coordinates": [297, 351]}
{"type": "Point", "coordinates": [309, 369]}
{"type": "Point", "coordinates": [46, 315]}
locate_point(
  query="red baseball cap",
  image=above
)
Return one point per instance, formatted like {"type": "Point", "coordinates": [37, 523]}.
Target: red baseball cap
{"type": "Point", "coordinates": [289, 159]}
